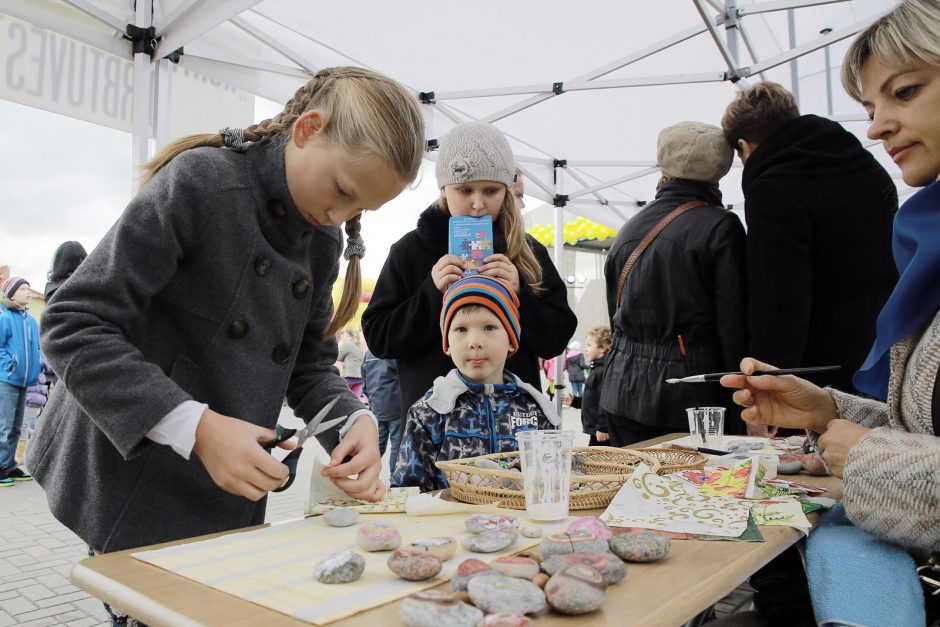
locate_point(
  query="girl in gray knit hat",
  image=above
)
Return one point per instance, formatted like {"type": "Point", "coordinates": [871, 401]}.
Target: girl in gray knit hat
{"type": "Point", "coordinates": [475, 173]}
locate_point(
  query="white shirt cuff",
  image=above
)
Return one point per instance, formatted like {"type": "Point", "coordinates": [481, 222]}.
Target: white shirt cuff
{"type": "Point", "coordinates": [178, 428]}
{"type": "Point", "coordinates": [352, 419]}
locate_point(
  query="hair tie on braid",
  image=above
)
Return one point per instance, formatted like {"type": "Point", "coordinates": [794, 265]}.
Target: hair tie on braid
{"type": "Point", "coordinates": [355, 247]}
{"type": "Point", "coordinates": [234, 138]}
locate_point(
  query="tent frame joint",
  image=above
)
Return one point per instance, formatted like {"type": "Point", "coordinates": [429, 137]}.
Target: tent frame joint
{"type": "Point", "coordinates": [560, 200]}
{"type": "Point", "coordinates": [558, 88]}
{"type": "Point", "coordinates": [426, 97]}
{"type": "Point", "coordinates": [560, 163]}
{"type": "Point", "coordinates": [143, 40]}
{"type": "Point", "coordinates": [432, 145]}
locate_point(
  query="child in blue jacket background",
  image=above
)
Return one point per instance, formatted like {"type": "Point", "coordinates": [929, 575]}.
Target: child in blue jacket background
{"type": "Point", "coordinates": [478, 407]}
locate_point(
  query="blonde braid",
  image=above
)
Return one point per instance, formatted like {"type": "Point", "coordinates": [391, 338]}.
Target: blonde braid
{"type": "Point", "coordinates": [352, 285]}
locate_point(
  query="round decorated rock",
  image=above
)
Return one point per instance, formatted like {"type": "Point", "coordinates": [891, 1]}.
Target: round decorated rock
{"type": "Point", "coordinates": [434, 608]}
{"type": "Point", "coordinates": [341, 517]}
{"type": "Point", "coordinates": [490, 541]}
{"type": "Point", "coordinates": [340, 567]}
{"type": "Point", "coordinates": [478, 523]}
{"type": "Point", "coordinates": [506, 620]}
{"type": "Point", "coordinates": [608, 565]}
{"type": "Point", "coordinates": [414, 566]}
{"type": "Point", "coordinates": [514, 566]}
{"type": "Point", "coordinates": [441, 548]}
{"type": "Point", "coordinates": [792, 467]}
{"type": "Point", "coordinates": [640, 546]}
{"type": "Point", "coordinates": [594, 525]}
{"type": "Point", "coordinates": [496, 594]}
{"type": "Point", "coordinates": [563, 542]}
{"type": "Point", "coordinates": [467, 570]}
{"type": "Point", "coordinates": [531, 531]}
{"type": "Point", "coordinates": [578, 589]}
{"type": "Point", "coordinates": [378, 537]}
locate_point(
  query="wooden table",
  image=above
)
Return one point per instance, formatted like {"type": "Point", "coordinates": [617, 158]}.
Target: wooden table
{"type": "Point", "coordinates": [696, 575]}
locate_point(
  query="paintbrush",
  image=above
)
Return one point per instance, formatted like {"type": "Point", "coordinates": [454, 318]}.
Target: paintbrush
{"type": "Point", "coordinates": [715, 376]}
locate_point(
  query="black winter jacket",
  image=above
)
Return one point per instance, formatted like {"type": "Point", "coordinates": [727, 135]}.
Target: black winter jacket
{"type": "Point", "coordinates": [593, 416]}
{"type": "Point", "coordinates": [689, 282]}
{"type": "Point", "coordinates": [402, 321]}
{"type": "Point", "coordinates": [819, 210]}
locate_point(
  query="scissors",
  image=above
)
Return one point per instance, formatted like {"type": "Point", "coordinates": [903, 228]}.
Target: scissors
{"type": "Point", "coordinates": [314, 427]}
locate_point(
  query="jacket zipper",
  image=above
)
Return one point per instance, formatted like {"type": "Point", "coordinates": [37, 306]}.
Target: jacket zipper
{"type": "Point", "coordinates": [25, 347]}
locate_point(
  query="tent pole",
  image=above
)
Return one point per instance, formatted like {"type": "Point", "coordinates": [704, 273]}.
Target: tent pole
{"type": "Point", "coordinates": [163, 98]}
{"type": "Point", "coordinates": [794, 64]}
{"type": "Point", "coordinates": [560, 200]}
{"type": "Point", "coordinates": [826, 31]}
{"type": "Point", "coordinates": [142, 88]}
{"type": "Point", "coordinates": [731, 29]}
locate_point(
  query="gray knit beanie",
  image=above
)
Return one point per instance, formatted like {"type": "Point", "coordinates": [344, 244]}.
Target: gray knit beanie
{"type": "Point", "coordinates": [694, 151]}
{"type": "Point", "coordinates": [474, 152]}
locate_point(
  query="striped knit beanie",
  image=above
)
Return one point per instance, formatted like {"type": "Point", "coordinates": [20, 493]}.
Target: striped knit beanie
{"type": "Point", "coordinates": [12, 284]}
{"type": "Point", "coordinates": [493, 294]}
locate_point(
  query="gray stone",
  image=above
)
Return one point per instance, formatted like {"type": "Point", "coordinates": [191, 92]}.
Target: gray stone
{"type": "Point", "coordinates": [608, 565]}
{"type": "Point", "coordinates": [640, 546]}
{"type": "Point", "coordinates": [508, 619]}
{"type": "Point", "coordinates": [578, 589]}
{"type": "Point", "coordinates": [794, 467]}
{"type": "Point", "coordinates": [495, 594]}
{"type": "Point", "coordinates": [433, 608]}
{"type": "Point", "coordinates": [515, 566]}
{"type": "Point", "coordinates": [467, 570]}
{"type": "Point", "coordinates": [340, 567]}
{"type": "Point", "coordinates": [414, 566]}
{"type": "Point", "coordinates": [341, 517]}
{"type": "Point", "coordinates": [563, 542]}
{"type": "Point", "coordinates": [490, 541]}
{"type": "Point", "coordinates": [531, 531]}
{"type": "Point", "coordinates": [478, 523]}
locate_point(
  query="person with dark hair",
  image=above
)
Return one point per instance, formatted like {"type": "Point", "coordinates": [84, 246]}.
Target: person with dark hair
{"type": "Point", "coordinates": [65, 260]}
{"type": "Point", "coordinates": [818, 209]}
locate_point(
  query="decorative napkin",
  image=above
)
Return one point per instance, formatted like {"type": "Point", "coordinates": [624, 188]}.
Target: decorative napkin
{"type": "Point", "coordinates": [669, 503]}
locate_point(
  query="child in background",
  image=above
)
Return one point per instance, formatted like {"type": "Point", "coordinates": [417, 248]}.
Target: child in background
{"type": "Point", "coordinates": [574, 366]}
{"type": "Point", "coordinates": [349, 359]}
{"type": "Point", "coordinates": [20, 365]}
{"type": "Point", "coordinates": [479, 406]}
{"type": "Point", "coordinates": [380, 385]}
{"type": "Point", "coordinates": [475, 170]}
{"type": "Point", "coordinates": [593, 417]}
{"type": "Point", "coordinates": [209, 300]}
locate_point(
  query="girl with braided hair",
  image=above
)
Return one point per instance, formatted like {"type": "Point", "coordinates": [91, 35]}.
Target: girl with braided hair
{"type": "Point", "coordinates": [206, 304]}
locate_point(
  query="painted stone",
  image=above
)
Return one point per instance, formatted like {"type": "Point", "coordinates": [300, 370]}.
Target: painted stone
{"type": "Point", "coordinates": [540, 580]}
{"type": "Point", "coordinates": [433, 608]}
{"type": "Point", "coordinates": [792, 467]}
{"type": "Point", "coordinates": [507, 620]}
{"type": "Point", "coordinates": [562, 542]}
{"type": "Point", "coordinates": [531, 531]}
{"type": "Point", "coordinates": [513, 566]}
{"type": "Point", "coordinates": [490, 541]}
{"type": "Point", "coordinates": [594, 525]}
{"type": "Point", "coordinates": [341, 517]}
{"type": "Point", "coordinates": [813, 464]}
{"type": "Point", "coordinates": [640, 546]}
{"type": "Point", "coordinates": [578, 589]}
{"type": "Point", "coordinates": [608, 565]}
{"type": "Point", "coordinates": [478, 523]}
{"type": "Point", "coordinates": [467, 570]}
{"type": "Point", "coordinates": [441, 548]}
{"type": "Point", "coordinates": [340, 567]}
{"type": "Point", "coordinates": [414, 566]}
{"type": "Point", "coordinates": [497, 594]}
{"type": "Point", "coordinates": [378, 537]}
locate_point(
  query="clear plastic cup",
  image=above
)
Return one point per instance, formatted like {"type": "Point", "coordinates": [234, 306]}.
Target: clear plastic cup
{"type": "Point", "coordinates": [708, 425]}
{"type": "Point", "coordinates": [546, 472]}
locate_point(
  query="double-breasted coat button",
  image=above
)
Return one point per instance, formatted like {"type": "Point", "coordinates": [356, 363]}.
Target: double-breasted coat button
{"type": "Point", "coordinates": [281, 354]}
{"type": "Point", "coordinates": [238, 329]}
{"type": "Point", "coordinates": [277, 208]}
{"type": "Point", "coordinates": [262, 265]}
{"type": "Point", "coordinates": [300, 287]}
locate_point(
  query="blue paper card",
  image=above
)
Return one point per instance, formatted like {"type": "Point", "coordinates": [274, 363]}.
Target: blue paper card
{"type": "Point", "coordinates": [471, 239]}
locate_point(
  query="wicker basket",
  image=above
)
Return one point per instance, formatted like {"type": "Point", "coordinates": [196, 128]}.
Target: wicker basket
{"type": "Point", "coordinates": [606, 468]}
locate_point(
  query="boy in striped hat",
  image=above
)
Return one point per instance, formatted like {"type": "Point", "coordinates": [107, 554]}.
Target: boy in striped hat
{"type": "Point", "coordinates": [479, 406]}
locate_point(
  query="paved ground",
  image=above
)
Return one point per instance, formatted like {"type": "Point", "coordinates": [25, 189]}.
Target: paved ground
{"type": "Point", "coordinates": [37, 553]}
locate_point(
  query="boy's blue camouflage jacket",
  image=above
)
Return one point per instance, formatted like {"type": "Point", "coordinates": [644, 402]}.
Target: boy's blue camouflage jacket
{"type": "Point", "coordinates": [457, 419]}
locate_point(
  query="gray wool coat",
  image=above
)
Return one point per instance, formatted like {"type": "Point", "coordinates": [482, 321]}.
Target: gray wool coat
{"type": "Point", "coordinates": [211, 286]}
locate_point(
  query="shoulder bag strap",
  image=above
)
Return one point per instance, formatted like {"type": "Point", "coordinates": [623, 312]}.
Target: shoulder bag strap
{"type": "Point", "coordinates": [648, 239]}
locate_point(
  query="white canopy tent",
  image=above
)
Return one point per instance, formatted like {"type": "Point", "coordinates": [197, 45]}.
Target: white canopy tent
{"type": "Point", "coordinates": [582, 91]}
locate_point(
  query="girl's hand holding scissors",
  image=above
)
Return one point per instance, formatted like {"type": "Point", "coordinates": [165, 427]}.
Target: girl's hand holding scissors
{"type": "Point", "coordinates": [228, 448]}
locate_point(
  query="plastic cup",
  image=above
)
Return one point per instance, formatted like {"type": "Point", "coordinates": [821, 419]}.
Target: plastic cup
{"type": "Point", "coordinates": [708, 425]}
{"type": "Point", "coordinates": [546, 472]}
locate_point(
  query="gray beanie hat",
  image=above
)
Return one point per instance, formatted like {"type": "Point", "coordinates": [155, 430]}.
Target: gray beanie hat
{"type": "Point", "coordinates": [474, 151]}
{"type": "Point", "coordinates": [694, 151]}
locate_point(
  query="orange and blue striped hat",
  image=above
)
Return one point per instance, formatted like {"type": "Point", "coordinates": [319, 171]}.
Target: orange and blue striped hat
{"type": "Point", "coordinates": [487, 292]}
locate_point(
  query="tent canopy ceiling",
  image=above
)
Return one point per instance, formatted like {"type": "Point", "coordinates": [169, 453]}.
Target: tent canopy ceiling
{"type": "Point", "coordinates": [500, 61]}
